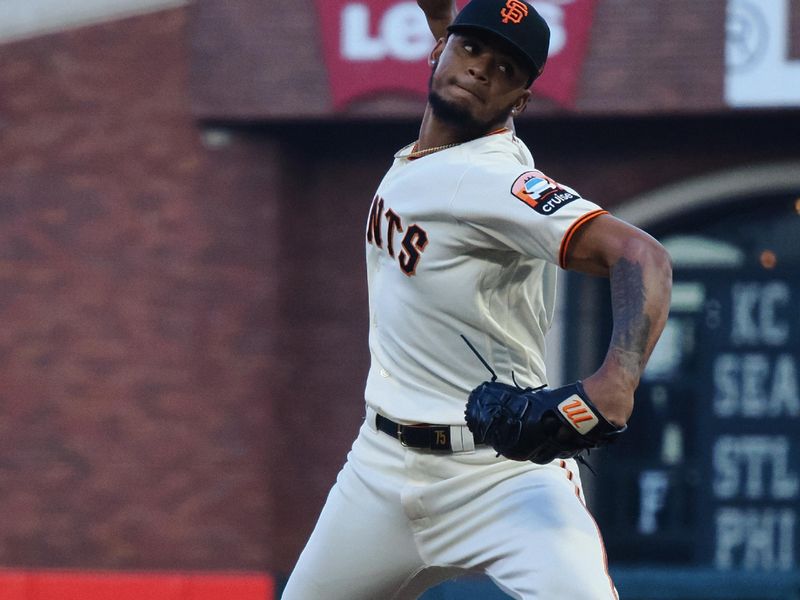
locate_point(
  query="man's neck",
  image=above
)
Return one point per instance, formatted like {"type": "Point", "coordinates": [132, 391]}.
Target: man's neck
{"type": "Point", "coordinates": [433, 132]}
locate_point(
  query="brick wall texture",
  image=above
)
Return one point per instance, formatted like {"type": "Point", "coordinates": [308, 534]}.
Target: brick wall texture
{"type": "Point", "coordinates": [136, 303]}
{"type": "Point", "coordinates": [183, 307]}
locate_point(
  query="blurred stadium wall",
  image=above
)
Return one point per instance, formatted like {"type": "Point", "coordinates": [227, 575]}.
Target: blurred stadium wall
{"type": "Point", "coordinates": [183, 188]}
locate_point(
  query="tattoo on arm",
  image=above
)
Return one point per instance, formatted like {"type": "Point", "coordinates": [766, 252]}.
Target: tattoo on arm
{"type": "Point", "coordinates": [632, 325]}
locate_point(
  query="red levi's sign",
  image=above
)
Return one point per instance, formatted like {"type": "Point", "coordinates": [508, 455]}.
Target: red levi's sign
{"type": "Point", "coordinates": [380, 47]}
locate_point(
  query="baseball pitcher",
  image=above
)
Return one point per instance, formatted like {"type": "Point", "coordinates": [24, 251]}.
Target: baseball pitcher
{"type": "Point", "coordinates": [464, 237]}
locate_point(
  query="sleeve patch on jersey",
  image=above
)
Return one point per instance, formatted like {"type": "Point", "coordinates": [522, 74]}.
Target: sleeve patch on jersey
{"type": "Point", "coordinates": [541, 193]}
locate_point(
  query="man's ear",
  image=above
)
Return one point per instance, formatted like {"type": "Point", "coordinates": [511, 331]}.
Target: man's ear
{"type": "Point", "coordinates": [433, 58]}
{"type": "Point", "coordinates": [522, 102]}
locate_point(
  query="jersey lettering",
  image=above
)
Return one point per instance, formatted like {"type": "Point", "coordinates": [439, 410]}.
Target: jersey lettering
{"type": "Point", "coordinates": [374, 222]}
{"type": "Point", "coordinates": [413, 244]}
{"type": "Point", "coordinates": [395, 225]}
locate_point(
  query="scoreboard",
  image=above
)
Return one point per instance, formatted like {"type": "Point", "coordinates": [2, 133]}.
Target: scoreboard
{"type": "Point", "coordinates": [749, 421]}
{"type": "Point", "coordinates": [709, 473]}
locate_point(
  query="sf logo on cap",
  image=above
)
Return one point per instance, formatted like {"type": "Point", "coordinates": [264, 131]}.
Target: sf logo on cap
{"type": "Point", "coordinates": [514, 12]}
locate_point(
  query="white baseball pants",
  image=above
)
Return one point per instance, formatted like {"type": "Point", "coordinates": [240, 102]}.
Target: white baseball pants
{"type": "Point", "coordinates": [399, 521]}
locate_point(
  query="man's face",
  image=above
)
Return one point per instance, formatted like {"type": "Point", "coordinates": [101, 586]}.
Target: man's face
{"type": "Point", "coordinates": [477, 81]}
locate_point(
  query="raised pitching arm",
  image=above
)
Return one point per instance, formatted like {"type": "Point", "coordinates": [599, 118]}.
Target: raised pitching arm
{"type": "Point", "coordinates": [440, 13]}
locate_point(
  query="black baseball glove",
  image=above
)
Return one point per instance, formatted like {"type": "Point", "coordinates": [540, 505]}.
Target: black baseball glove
{"type": "Point", "coordinates": [537, 425]}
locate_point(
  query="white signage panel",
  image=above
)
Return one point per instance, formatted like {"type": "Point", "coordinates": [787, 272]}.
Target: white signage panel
{"type": "Point", "coordinates": [760, 70]}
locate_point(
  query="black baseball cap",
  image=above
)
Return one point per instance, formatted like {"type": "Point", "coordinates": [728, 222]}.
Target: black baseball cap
{"type": "Point", "coordinates": [516, 21]}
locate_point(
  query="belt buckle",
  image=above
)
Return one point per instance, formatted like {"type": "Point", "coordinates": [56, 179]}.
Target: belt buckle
{"type": "Point", "coordinates": [400, 436]}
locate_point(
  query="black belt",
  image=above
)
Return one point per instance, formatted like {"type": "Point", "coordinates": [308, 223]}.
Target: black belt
{"type": "Point", "coordinates": [428, 437]}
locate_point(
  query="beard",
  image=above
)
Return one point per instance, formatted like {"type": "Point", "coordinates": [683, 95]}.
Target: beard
{"type": "Point", "coordinates": [460, 117]}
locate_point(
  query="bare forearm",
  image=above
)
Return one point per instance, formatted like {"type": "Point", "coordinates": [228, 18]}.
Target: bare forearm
{"type": "Point", "coordinates": [641, 282]}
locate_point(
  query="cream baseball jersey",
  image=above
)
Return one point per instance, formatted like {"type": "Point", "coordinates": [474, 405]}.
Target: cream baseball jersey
{"type": "Point", "coordinates": [463, 241]}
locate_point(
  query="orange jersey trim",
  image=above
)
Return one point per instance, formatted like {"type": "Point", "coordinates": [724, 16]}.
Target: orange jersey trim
{"type": "Point", "coordinates": [562, 253]}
